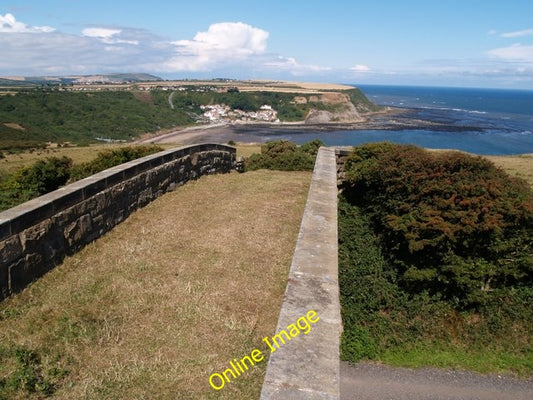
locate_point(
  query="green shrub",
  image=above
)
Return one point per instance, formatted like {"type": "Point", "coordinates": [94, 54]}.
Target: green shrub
{"type": "Point", "coordinates": [386, 320]}
{"type": "Point", "coordinates": [48, 175]}
{"type": "Point", "coordinates": [451, 224]}
{"type": "Point", "coordinates": [42, 177]}
{"type": "Point", "coordinates": [312, 147]}
{"type": "Point", "coordinates": [285, 156]}
{"type": "Point", "coordinates": [110, 158]}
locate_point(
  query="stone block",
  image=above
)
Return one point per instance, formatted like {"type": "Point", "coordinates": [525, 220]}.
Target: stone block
{"type": "Point", "coordinates": [32, 238]}
{"type": "Point", "coordinates": [10, 249]}
{"type": "Point", "coordinates": [77, 230]}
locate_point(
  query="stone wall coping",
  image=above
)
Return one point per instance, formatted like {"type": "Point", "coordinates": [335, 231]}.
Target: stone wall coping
{"type": "Point", "coordinates": [18, 218]}
{"type": "Point", "coordinates": [308, 367]}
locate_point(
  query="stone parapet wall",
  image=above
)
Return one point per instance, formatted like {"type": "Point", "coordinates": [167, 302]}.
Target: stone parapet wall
{"type": "Point", "coordinates": [308, 366]}
{"type": "Point", "coordinates": [37, 235]}
{"type": "Point", "coordinates": [341, 154]}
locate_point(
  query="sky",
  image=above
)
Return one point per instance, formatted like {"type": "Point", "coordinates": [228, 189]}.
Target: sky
{"type": "Point", "coordinates": [466, 43]}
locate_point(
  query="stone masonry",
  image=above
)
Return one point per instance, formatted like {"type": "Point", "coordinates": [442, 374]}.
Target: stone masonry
{"type": "Point", "coordinates": [37, 235]}
{"type": "Point", "coordinates": [308, 368]}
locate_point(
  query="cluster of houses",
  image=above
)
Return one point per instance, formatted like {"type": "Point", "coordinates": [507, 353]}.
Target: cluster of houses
{"type": "Point", "coordinates": [223, 113]}
{"type": "Point", "coordinates": [94, 86]}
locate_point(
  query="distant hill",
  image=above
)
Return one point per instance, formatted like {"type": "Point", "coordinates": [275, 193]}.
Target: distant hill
{"type": "Point", "coordinates": [7, 82]}
{"type": "Point", "coordinates": [73, 79]}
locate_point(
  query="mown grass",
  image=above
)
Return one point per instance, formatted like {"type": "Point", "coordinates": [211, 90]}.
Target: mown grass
{"type": "Point", "coordinates": [442, 355]}
{"type": "Point", "coordinates": [168, 297]}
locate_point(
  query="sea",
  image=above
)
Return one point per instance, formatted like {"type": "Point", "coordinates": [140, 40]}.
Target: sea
{"type": "Point", "coordinates": [503, 120]}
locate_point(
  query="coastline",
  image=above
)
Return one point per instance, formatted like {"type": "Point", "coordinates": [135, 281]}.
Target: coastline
{"type": "Point", "coordinates": [392, 119]}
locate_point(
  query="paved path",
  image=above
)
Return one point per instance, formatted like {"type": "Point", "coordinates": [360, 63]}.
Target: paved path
{"type": "Point", "coordinates": [377, 382]}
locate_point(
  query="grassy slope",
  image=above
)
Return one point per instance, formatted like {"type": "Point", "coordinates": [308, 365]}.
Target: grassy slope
{"type": "Point", "coordinates": [521, 166]}
{"type": "Point", "coordinates": [82, 117]}
{"type": "Point", "coordinates": [168, 297]}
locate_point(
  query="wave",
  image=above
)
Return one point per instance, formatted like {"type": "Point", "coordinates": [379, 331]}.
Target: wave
{"type": "Point", "coordinates": [454, 109]}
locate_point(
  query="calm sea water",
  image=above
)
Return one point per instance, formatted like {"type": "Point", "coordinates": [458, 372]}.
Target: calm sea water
{"type": "Point", "coordinates": [505, 116]}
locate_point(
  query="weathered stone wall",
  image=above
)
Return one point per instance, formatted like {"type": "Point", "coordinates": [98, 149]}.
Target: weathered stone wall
{"type": "Point", "coordinates": [36, 236]}
{"type": "Point", "coordinates": [341, 154]}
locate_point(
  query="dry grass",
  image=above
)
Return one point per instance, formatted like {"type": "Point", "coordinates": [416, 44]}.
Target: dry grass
{"type": "Point", "coordinates": [13, 162]}
{"type": "Point", "coordinates": [259, 85]}
{"type": "Point", "coordinates": [246, 150]}
{"type": "Point", "coordinates": [521, 166]}
{"type": "Point", "coordinates": [168, 297]}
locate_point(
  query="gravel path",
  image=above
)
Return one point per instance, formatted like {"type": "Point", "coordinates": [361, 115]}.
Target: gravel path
{"type": "Point", "coordinates": [378, 382]}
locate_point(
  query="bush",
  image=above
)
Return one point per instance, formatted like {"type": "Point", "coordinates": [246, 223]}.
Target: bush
{"type": "Point", "coordinates": [386, 319]}
{"type": "Point", "coordinates": [312, 147]}
{"type": "Point", "coordinates": [285, 156]}
{"type": "Point", "coordinates": [451, 224]}
{"type": "Point", "coordinates": [45, 176]}
{"type": "Point", "coordinates": [110, 158]}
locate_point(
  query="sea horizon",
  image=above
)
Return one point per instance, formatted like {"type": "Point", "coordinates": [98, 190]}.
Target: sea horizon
{"type": "Point", "coordinates": [503, 118]}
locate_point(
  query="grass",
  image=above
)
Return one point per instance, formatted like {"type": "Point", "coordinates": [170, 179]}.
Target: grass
{"type": "Point", "coordinates": [246, 150]}
{"type": "Point", "coordinates": [521, 166]}
{"type": "Point", "coordinates": [449, 356]}
{"type": "Point", "coordinates": [168, 297]}
{"type": "Point", "coordinates": [15, 161]}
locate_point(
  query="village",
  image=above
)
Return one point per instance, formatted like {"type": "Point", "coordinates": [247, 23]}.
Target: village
{"type": "Point", "coordinates": [223, 113]}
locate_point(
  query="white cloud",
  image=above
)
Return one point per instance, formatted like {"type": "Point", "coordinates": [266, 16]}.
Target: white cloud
{"type": "Point", "coordinates": [222, 43]}
{"type": "Point", "coordinates": [516, 52]}
{"type": "Point", "coordinates": [101, 33]}
{"type": "Point", "coordinates": [9, 24]}
{"type": "Point", "coordinates": [233, 49]}
{"type": "Point", "coordinates": [294, 67]}
{"type": "Point", "coordinates": [360, 68]}
{"type": "Point", "coordinates": [107, 35]}
{"type": "Point", "coordinates": [525, 32]}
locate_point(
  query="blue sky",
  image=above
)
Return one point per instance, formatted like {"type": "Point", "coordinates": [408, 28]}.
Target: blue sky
{"type": "Point", "coordinates": [440, 43]}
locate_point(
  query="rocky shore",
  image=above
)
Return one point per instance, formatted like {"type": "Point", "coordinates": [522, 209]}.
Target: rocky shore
{"type": "Point", "coordinates": [391, 119]}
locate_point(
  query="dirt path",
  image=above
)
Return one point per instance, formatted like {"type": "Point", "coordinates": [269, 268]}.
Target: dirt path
{"type": "Point", "coordinates": [369, 381]}
{"type": "Point", "coordinates": [190, 134]}
{"type": "Point", "coordinates": [170, 103]}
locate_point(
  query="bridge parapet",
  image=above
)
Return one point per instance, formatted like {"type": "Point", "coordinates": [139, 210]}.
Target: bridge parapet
{"type": "Point", "coordinates": [37, 235]}
{"type": "Point", "coordinates": [308, 367]}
